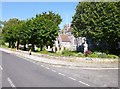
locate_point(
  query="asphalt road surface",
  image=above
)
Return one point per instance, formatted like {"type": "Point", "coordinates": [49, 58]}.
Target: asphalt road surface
{"type": "Point", "coordinates": [17, 72]}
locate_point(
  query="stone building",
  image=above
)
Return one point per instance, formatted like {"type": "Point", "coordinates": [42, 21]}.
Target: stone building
{"type": "Point", "coordinates": [67, 40]}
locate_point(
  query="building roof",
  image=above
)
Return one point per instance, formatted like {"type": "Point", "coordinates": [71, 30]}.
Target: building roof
{"type": "Point", "coordinates": [64, 38]}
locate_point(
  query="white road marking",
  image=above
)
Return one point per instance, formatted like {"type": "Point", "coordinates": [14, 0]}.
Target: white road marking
{"type": "Point", "coordinates": [84, 83]}
{"type": "Point", "coordinates": [1, 68]}
{"type": "Point", "coordinates": [53, 70]}
{"type": "Point", "coordinates": [61, 74]}
{"type": "Point", "coordinates": [100, 68]}
{"type": "Point", "coordinates": [34, 62]}
{"type": "Point", "coordinates": [42, 65]}
{"type": "Point", "coordinates": [71, 78]}
{"type": "Point", "coordinates": [47, 68]}
{"type": "Point", "coordinates": [11, 83]}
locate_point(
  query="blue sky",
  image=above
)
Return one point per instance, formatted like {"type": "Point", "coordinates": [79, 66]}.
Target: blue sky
{"type": "Point", "coordinates": [26, 10]}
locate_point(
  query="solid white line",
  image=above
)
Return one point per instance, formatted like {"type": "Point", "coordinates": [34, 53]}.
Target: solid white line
{"type": "Point", "coordinates": [47, 68]}
{"type": "Point", "coordinates": [84, 83]}
{"type": "Point", "coordinates": [11, 83]}
{"type": "Point", "coordinates": [71, 78]}
{"type": "Point", "coordinates": [100, 68]}
{"type": "Point", "coordinates": [1, 68]}
{"type": "Point", "coordinates": [61, 74]}
{"type": "Point", "coordinates": [53, 70]}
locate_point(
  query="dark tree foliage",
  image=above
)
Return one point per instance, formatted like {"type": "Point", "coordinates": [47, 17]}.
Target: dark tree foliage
{"type": "Point", "coordinates": [99, 21]}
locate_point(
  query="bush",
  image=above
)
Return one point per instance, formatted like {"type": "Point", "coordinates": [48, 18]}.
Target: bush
{"type": "Point", "coordinates": [44, 52]}
{"type": "Point", "coordinates": [67, 53]}
{"type": "Point", "coordinates": [79, 54]}
{"type": "Point", "coordinates": [88, 53]}
{"type": "Point", "coordinates": [103, 55]}
{"type": "Point", "coordinates": [112, 56]}
{"type": "Point", "coordinates": [93, 55]}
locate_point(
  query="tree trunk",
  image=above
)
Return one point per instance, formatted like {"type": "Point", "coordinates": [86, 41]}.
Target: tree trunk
{"type": "Point", "coordinates": [9, 44]}
{"type": "Point", "coordinates": [33, 49]}
{"type": "Point", "coordinates": [18, 42]}
{"type": "Point", "coordinates": [77, 48]}
{"type": "Point", "coordinates": [13, 45]}
{"type": "Point", "coordinates": [41, 47]}
{"type": "Point", "coordinates": [24, 47]}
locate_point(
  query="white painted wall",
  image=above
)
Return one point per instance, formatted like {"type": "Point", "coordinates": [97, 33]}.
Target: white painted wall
{"type": "Point", "coordinates": [66, 44]}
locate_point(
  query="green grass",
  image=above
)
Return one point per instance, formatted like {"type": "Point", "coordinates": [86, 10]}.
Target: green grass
{"type": "Point", "coordinates": [44, 52]}
{"type": "Point", "coordinates": [102, 55]}
{"type": "Point", "coordinates": [68, 53]}
{"type": "Point", "coordinates": [112, 56]}
{"type": "Point", "coordinates": [4, 46]}
{"type": "Point", "coordinates": [73, 53]}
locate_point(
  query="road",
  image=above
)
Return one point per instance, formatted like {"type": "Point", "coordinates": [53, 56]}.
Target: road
{"type": "Point", "coordinates": [18, 72]}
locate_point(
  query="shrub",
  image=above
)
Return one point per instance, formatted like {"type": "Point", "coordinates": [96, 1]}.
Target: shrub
{"type": "Point", "coordinates": [87, 53]}
{"type": "Point", "coordinates": [103, 55]}
{"type": "Point", "coordinates": [112, 56]}
{"type": "Point", "coordinates": [79, 54]}
{"type": "Point", "coordinates": [97, 53]}
{"type": "Point", "coordinates": [93, 55]}
{"type": "Point", "coordinates": [67, 53]}
{"type": "Point", "coordinates": [44, 52]}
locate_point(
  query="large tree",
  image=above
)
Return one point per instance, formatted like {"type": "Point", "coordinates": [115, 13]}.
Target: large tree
{"type": "Point", "coordinates": [24, 33]}
{"type": "Point", "coordinates": [43, 29]}
{"type": "Point", "coordinates": [1, 31]}
{"type": "Point", "coordinates": [99, 21]}
{"type": "Point", "coordinates": [40, 30]}
{"type": "Point", "coordinates": [10, 31]}
{"type": "Point", "coordinates": [49, 25]}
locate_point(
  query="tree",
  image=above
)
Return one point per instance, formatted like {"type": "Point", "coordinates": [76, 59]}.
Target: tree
{"type": "Point", "coordinates": [1, 23]}
{"type": "Point", "coordinates": [20, 33]}
{"type": "Point", "coordinates": [99, 21]}
{"type": "Point", "coordinates": [1, 41]}
{"type": "Point", "coordinates": [10, 31]}
{"type": "Point", "coordinates": [43, 29]}
{"type": "Point", "coordinates": [24, 34]}
{"type": "Point", "coordinates": [47, 33]}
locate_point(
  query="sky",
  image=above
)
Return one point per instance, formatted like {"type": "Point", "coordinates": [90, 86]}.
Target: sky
{"type": "Point", "coordinates": [26, 10]}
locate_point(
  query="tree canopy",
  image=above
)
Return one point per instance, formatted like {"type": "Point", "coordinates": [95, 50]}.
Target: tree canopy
{"type": "Point", "coordinates": [99, 21]}
{"type": "Point", "coordinates": [40, 30]}
{"type": "Point", "coordinates": [10, 31]}
{"type": "Point", "coordinates": [43, 29]}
